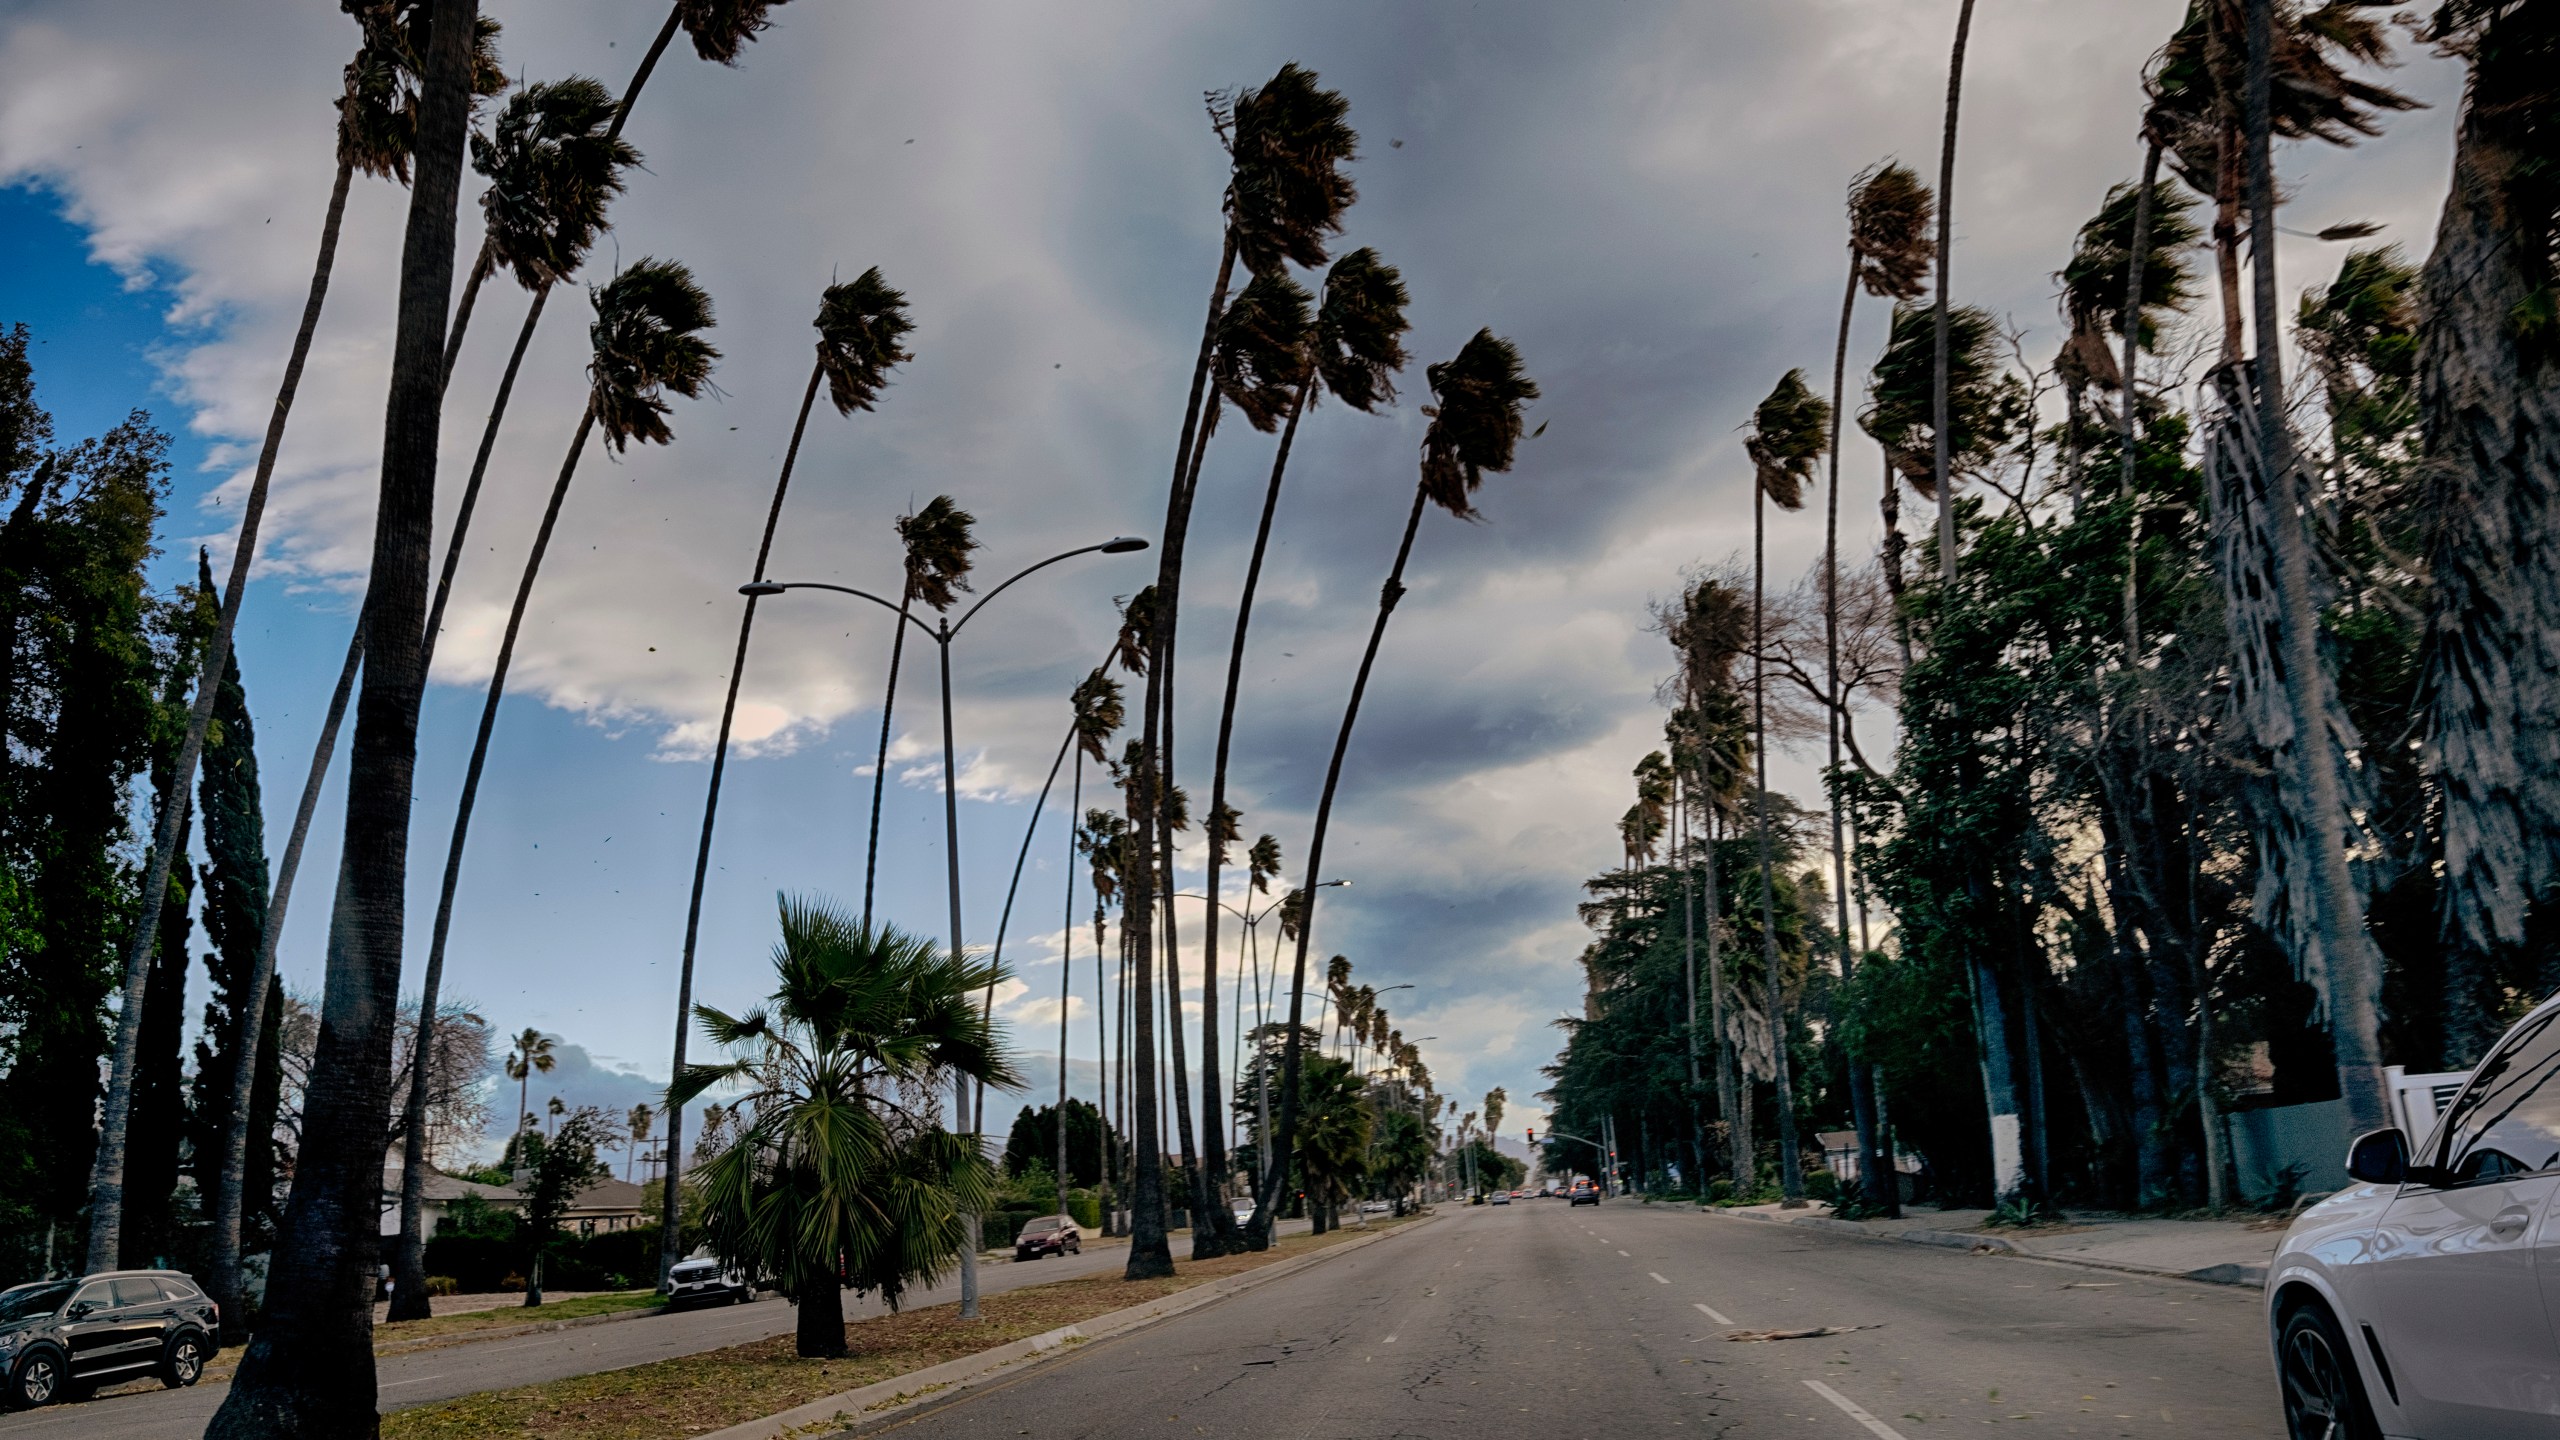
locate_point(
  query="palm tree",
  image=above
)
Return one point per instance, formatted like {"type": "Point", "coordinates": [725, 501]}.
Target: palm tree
{"type": "Point", "coordinates": [309, 1369]}
{"type": "Point", "coordinates": [1789, 434]}
{"type": "Point", "coordinates": [641, 1121]}
{"type": "Point", "coordinates": [1334, 1150]}
{"type": "Point", "coordinates": [938, 544]}
{"type": "Point", "coordinates": [1711, 634]}
{"type": "Point", "coordinates": [1475, 428]}
{"type": "Point", "coordinates": [378, 118]}
{"type": "Point", "coordinates": [552, 170]}
{"type": "Point", "coordinates": [2485, 380]}
{"type": "Point", "coordinates": [1889, 252]}
{"type": "Point", "coordinates": [382, 126]}
{"type": "Point", "coordinates": [1101, 839]}
{"type": "Point", "coordinates": [646, 342]}
{"type": "Point", "coordinates": [2197, 112]}
{"type": "Point", "coordinates": [531, 1053]}
{"type": "Point", "coordinates": [833, 1176]}
{"type": "Point", "coordinates": [1285, 195]}
{"type": "Point", "coordinates": [862, 327]}
{"type": "Point", "coordinates": [556, 1108]}
{"type": "Point", "coordinates": [1943, 470]}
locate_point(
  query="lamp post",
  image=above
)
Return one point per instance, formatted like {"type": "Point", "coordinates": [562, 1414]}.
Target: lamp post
{"type": "Point", "coordinates": [942, 632]}
{"type": "Point", "coordinates": [1262, 1073]}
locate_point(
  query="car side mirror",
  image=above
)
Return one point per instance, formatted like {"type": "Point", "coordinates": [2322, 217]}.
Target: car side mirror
{"type": "Point", "coordinates": [2379, 1157]}
{"type": "Point", "coordinates": [80, 1310]}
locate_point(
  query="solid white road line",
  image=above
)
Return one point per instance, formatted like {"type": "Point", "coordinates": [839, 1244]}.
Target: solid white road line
{"type": "Point", "coordinates": [1657, 1277]}
{"type": "Point", "coordinates": [1849, 1407]}
{"type": "Point", "coordinates": [421, 1380]}
{"type": "Point", "coordinates": [1712, 1315]}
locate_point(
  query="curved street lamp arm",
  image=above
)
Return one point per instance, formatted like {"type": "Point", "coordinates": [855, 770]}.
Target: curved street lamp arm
{"type": "Point", "coordinates": [972, 612]}
{"type": "Point", "coordinates": [769, 587]}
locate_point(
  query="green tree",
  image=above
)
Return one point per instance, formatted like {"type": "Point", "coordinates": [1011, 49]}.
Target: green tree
{"type": "Point", "coordinates": [1332, 1146]}
{"type": "Point", "coordinates": [838, 1172]}
{"type": "Point", "coordinates": [556, 1167]}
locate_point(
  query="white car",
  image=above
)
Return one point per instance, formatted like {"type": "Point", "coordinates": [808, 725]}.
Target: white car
{"type": "Point", "coordinates": [2413, 1303]}
{"type": "Point", "coordinates": [699, 1280]}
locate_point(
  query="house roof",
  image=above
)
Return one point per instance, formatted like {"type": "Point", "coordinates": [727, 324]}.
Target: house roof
{"type": "Point", "coordinates": [445, 1189]}
{"type": "Point", "coordinates": [607, 1197]}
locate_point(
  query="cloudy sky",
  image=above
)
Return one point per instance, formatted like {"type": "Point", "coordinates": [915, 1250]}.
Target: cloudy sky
{"type": "Point", "coordinates": [1644, 194]}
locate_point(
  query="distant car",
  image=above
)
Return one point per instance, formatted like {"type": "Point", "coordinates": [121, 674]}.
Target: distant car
{"type": "Point", "coordinates": [2413, 1302]}
{"type": "Point", "coordinates": [701, 1281]}
{"type": "Point", "coordinates": [1244, 1210]}
{"type": "Point", "coordinates": [1584, 1193]}
{"type": "Point", "coordinates": [61, 1339]}
{"type": "Point", "coordinates": [1048, 1235]}
{"type": "Point", "coordinates": [1376, 1207]}
{"type": "Point", "coordinates": [1501, 1197]}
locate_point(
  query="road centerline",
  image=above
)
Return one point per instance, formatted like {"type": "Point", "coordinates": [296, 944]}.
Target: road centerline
{"type": "Point", "coordinates": [1850, 1408]}
{"type": "Point", "coordinates": [1711, 1313]}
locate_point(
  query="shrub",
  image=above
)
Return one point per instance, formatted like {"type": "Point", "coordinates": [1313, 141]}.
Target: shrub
{"type": "Point", "coordinates": [1821, 1184]}
{"type": "Point", "coordinates": [443, 1285]}
{"type": "Point", "coordinates": [1086, 1207]}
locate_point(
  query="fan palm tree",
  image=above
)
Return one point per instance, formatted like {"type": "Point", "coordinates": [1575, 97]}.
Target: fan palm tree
{"type": "Point", "coordinates": [308, 1370]}
{"type": "Point", "coordinates": [377, 125]}
{"type": "Point", "coordinates": [1890, 250]}
{"type": "Point", "coordinates": [2196, 117]}
{"type": "Point", "coordinates": [938, 545]}
{"type": "Point", "coordinates": [1789, 435]}
{"type": "Point", "coordinates": [1475, 429]}
{"type": "Point", "coordinates": [531, 1053]}
{"type": "Point", "coordinates": [647, 342]}
{"type": "Point", "coordinates": [2485, 380]}
{"type": "Point", "coordinates": [639, 1123]}
{"type": "Point", "coordinates": [833, 1177]}
{"type": "Point", "coordinates": [862, 326]}
{"type": "Point", "coordinates": [1286, 194]}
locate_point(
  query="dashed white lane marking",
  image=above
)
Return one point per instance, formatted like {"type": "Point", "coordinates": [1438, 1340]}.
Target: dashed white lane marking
{"type": "Point", "coordinates": [1390, 1340]}
{"type": "Point", "coordinates": [421, 1380]}
{"type": "Point", "coordinates": [1849, 1407]}
{"type": "Point", "coordinates": [1624, 1255]}
{"type": "Point", "coordinates": [1711, 1314]}
{"type": "Point", "coordinates": [1657, 1277]}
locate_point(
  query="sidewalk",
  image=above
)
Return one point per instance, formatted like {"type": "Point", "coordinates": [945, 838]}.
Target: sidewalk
{"type": "Point", "coordinates": [2221, 1252]}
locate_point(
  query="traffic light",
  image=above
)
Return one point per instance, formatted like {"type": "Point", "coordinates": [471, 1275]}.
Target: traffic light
{"type": "Point", "coordinates": [1533, 1139]}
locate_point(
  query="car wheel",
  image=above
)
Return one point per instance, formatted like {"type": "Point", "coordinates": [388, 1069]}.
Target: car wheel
{"type": "Point", "coordinates": [2323, 1395]}
{"type": "Point", "coordinates": [38, 1380]}
{"type": "Point", "coordinates": [183, 1365]}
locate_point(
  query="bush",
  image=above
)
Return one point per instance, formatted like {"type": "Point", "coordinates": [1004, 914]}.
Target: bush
{"type": "Point", "coordinates": [1086, 1207]}
{"type": "Point", "coordinates": [1821, 1184]}
{"type": "Point", "coordinates": [443, 1285]}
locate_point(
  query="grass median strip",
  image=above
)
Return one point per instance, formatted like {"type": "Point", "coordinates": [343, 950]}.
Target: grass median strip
{"type": "Point", "coordinates": [404, 1333]}
{"type": "Point", "coordinates": [695, 1394]}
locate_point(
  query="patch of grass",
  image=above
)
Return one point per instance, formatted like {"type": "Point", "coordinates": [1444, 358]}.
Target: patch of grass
{"type": "Point", "coordinates": [509, 1317]}
{"type": "Point", "coordinates": [694, 1394]}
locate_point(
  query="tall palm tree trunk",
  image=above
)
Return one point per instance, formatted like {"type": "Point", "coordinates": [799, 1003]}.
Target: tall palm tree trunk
{"type": "Point", "coordinates": [1938, 416]}
{"type": "Point", "coordinates": [1862, 1076]}
{"type": "Point", "coordinates": [1067, 972]}
{"type": "Point", "coordinates": [2130, 424]}
{"type": "Point", "coordinates": [1291, 1057]}
{"type": "Point", "coordinates": [1790, 1166]}
{"type": "Point", "coordinates": [1209, 1237]}
{"type": "Point", "coordinates": [670, 1242]}
{"type": "Point", "coordinates": [2354, 964]}
{"type": "Point", "coordinates": [230, 1199]}
{"type": "Point", "coordinates": [1004, 921]}
{"type": "Point", "coordinates": [106, 1182]}
{"type": "Point", "coordinates": [1689, 981]}
{"type": "Point", "coordinates": [1211, 1110]}
{"type": "Point", "coordinates": [880, 763]}
{"type": "Point", "coordinates": [309, 1369]}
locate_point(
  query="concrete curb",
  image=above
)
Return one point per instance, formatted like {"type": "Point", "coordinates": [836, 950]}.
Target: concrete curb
{"type": "Point", "coordinates": [2250, 1277]}
{"type": "Point", "coordinates": [851, 1409]}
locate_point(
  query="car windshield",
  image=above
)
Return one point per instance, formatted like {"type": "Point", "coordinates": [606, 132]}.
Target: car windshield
{"type": "Point", "coordinates": [1040, 1227]}
{"type": "Point", "coordinates": [27, 1301]}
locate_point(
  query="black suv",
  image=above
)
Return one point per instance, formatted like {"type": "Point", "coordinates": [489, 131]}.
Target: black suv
{"type": "Point", "coordinates": [60, 1339]}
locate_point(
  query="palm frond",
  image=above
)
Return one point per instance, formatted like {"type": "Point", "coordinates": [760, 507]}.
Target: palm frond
{"type": "Point", "coordinates": [720, 29]}
{"type": "Point", "coordinates": [860, 326]}
{"type": "Point", "coordinates": [1475, 417]}
{"type": "Point", "coordinates": [1360, 327]}
{"type": "Point", "coordinates": [1262, 862]}
{"type": "Point", "coordinates": [1100, 712]}
{"type": "Point", "coordinates": [939, 544]}
{"type": "Point", "coordinates": [1136, 640]}
{"type": "Point", "coordinates": [1289, 141]}
{"type": "Point", "coordinates": [553, 169]}
{"type": "Point", "coordinates": [1790, 431]}
{"type": "Point", "coordinates": [646, 343]}
{"type": "Point", "coordinates": [1890, 215]}
{"type": "Point", "coordinates": [1988, 406]}
{"type": "Point", "coordinates": [1260, 354]}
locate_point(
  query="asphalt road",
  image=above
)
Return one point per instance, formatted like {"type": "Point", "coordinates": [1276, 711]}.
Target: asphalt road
{"type": "Point", "coordinates": [422, 1377]}
{"type": "Point", "coordinates": [1556, 1323]}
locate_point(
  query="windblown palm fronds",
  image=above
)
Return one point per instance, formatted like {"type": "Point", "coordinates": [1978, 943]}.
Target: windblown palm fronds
{"type": "Point", "coordinates": [862, 325]}
{"type": "Point", "coordinates": [1475, 420]}
{"type": "Point", "coordinates": [1789, 432]}
{"type": "Point", "coordinates": [1360, 326]}
{"type": "Point", "coordinates": [1289, 139]}
{"type": "Point", "coordinates": [553, 168]}
{"type": "Point", "coordinates": [1890, 211]}
{"type": "Point", "coordinates": [646, 344]}
{"type": "Point", "coordinates": [939, 543]}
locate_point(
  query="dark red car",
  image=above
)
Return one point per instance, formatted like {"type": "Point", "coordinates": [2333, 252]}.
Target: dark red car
{"type": "Point", "coordinates": [1048, 1235]}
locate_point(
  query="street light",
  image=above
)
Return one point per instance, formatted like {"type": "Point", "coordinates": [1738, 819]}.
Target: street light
{"type": "Point", "coordinates": [942, 632]}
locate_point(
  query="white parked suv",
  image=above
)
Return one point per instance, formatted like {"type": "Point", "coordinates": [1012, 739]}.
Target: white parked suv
{"type": "Point", "coordinates": [2414, 1303]}
{"type": "Point", "coordinates": [699, 1280]}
